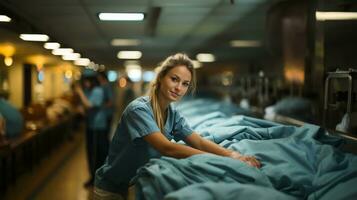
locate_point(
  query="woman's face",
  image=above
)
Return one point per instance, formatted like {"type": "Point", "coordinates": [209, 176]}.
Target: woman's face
{"type": "Point", "coordinates": [175, 83]}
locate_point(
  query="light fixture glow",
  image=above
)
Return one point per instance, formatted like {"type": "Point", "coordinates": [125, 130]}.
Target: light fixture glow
{"type": "Point", "coordinates": [148, 76]}
{"type": "Point", "coordinates": [71, 56]}
{"type": "Point", "coordinates": [68, 74]}
{"type": "Point", "coordinates": [322, 16]}
{"type": "Point", "coordinates": [51, 45]}
{"type": "Point", "coordinates": [5, 18]}
{"type": "Point", "coordinates": [129, 54]}
{"type": "Point", "coordinates": [121, 16]}
{"type": "Point", "coordinates": [34, 37]}
{"type": "Point", "coordinates": [245, 43]}
{"type": "Point", "coordinates": [62, 51]}
{"type": "Point", "coordinates": [82, 62]}
{"type": "Point", "coordinates": [125, 42]}
{"type": "Point", "coordinates": [112, 76]}
{"type": "Point", "coordinates": [134, 71]}
{"type": "Point", "coordinates": [8, 61]}
{"type": "Point", "coordinates": [205, 57]}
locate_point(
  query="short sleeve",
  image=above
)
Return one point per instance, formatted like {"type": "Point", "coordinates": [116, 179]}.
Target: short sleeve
{"type": "Point", "coordinates": [140, 122]}
{"type": "Point", "coordinates": [181, 129]}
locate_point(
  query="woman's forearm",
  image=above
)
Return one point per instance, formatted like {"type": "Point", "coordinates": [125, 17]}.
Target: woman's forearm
{"type": "Point", "coordinates": [180, 151]}
{"type": "Point", "coordinates": [211, 147]}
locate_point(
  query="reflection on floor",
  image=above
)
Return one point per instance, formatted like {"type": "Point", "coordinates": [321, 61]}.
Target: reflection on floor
{"type": "Point", "coordinates": [58, 177]}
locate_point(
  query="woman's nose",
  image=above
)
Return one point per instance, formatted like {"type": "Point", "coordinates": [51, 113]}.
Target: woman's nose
{"type": "Point", "coordinates": [178, 86]}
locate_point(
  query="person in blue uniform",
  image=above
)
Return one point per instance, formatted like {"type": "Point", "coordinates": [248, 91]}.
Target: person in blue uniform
{"type": "Point", "coordinates": [97, 142]}
{"type": "Point", "coordinates": [146, 129]}
{"type": "Point", "coordinates": [14, 122]}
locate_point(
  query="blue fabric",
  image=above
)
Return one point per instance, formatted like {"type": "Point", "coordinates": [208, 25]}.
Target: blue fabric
{"type": "Point", "coordinates": [13, 119]}
{"type": "Point", "coordinates": [96, 116]}
{"type": "Point", "coordinates": [297, 163]}
{"type": "Point", "coordinates": [226, 191]}
{"type": "Point", "coordinates": [128, 150]}
{"type": "Point", "coordinates": [108, 97]}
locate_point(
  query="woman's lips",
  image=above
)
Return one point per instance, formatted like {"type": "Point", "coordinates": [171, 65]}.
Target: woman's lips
{"type": "Point", "coordinates": [174, 94]}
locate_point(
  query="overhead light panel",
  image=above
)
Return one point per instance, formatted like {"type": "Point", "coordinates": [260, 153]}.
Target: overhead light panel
{"type": "Point", "coordinates": [322, 16]}
{"type": "Point", "coordinates": [34, 37]}
{"type": "Point", "coordinates": [125, 42]}
{"type": "Point", "coordinates": [245, 43]}
{"type": "Point", "coordinates": [82, 62]}
{"type": "Point", "coordinates": [8, 61]}
{"type": "Point", "coordinates": [121, 16]}
{"type": "Point", "coordinates": [51, 45]}
{"type": "Point", "coordinates": [205, 57]}
{"type": "Point", "coordinates": [71, 56]}
{"type": "Point", "coordinates": [5, 18]}
{"type": "Point", "coordinates": [129, 54]}
{"type": "Point", "coordinates": [62, 51]}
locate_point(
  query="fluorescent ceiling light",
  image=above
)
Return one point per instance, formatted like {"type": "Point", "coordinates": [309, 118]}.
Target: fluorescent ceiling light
{"type": "Point", "coordinates": [62, 51]}
{"type": "Point", "coordinates": [245, 43]}
{"type": "Point", "coordinates": [82, 62]}
{"type": "Point", "coordinates": [129, 54]}
{"type": "Point", "coordinates": [322, 16]}
{"type": "Point", "coordinates": [34, 37]}
{"type": "Point", "coordinates": [72, 56]}
{"type": "Point", "coordinates": [121, 16]}
{"type": "Point", "coordinates": [125, 42]}
{"type": "Point", "coordinates": [205, 57]}
{"type": "Point", "coordinates": [51, 45]}
{"type": "Point", "coordinates": [4, 18]}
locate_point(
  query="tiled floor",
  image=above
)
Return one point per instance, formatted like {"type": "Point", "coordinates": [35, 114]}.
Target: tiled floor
{"type": "Point", "coordinates": [58, 177]}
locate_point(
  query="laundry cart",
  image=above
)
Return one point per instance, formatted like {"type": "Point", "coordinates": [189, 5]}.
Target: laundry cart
{"type": "Point", "coordinates": [340, 101]}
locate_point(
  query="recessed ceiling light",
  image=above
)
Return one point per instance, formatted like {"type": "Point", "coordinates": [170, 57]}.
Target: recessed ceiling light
{"type": "Point", "coordinates": [51, 45]}
{"type": "Point", "coordinates": [205, 57]}
{"type": "Point", "coordinates": [82, 62]}
{"type": "Point", "coordinates": [129, 54]}
{"type": "Point", "coordinates": [34, 37]}
{"type": "Point", "coordinates": [125, 42]}
{"type": "Point", "coordinates": [71, 56]}
{"type": "Point", "coordinates": [245, 43]}
{"type": "Point", "coordinates": [5, 18]}
{"type": "Point", "coordinates": [62, 51]}
{"type": "Point", "coordinates": [121, 16]}
{"type": "Point", "coordinates": [322, 16]}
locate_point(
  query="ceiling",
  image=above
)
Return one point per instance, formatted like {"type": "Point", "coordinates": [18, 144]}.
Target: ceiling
{"type": "Point", "coordinates": [191, 26]}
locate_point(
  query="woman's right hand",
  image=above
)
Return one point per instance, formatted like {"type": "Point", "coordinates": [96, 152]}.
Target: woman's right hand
{"type": "Point", "coordinates": [250, 160]}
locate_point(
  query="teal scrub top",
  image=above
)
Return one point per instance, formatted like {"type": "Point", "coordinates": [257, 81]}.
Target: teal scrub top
{"type": "Point", "coordinates": [128, 150]}
{"type": "Point", "coordinates": [96, 116]}
{"type": "Point", "coordinates": [13, 119]}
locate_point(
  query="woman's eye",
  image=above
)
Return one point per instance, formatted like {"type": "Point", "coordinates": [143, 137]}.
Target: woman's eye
{"type": "Point", "coordinates": [174, 79]}
{"type": "Point", "coordinates": [186, 84]}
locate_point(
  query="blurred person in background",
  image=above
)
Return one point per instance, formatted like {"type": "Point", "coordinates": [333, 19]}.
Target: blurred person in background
{"type": "Point", "coordinates": [14, 122]}
{"type": "Point", "coordinates": [92, 98]}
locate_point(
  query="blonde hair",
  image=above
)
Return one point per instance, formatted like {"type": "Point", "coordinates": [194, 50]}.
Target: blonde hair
{"type": "Point", "coordinates": [169, 63]}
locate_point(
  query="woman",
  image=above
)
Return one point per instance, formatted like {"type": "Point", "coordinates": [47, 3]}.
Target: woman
{"type": "Point", "coordinates": [147, 126]}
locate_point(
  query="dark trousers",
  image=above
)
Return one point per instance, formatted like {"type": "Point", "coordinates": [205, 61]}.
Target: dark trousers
{"type": "Point", "coordinates": [97, 144]}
